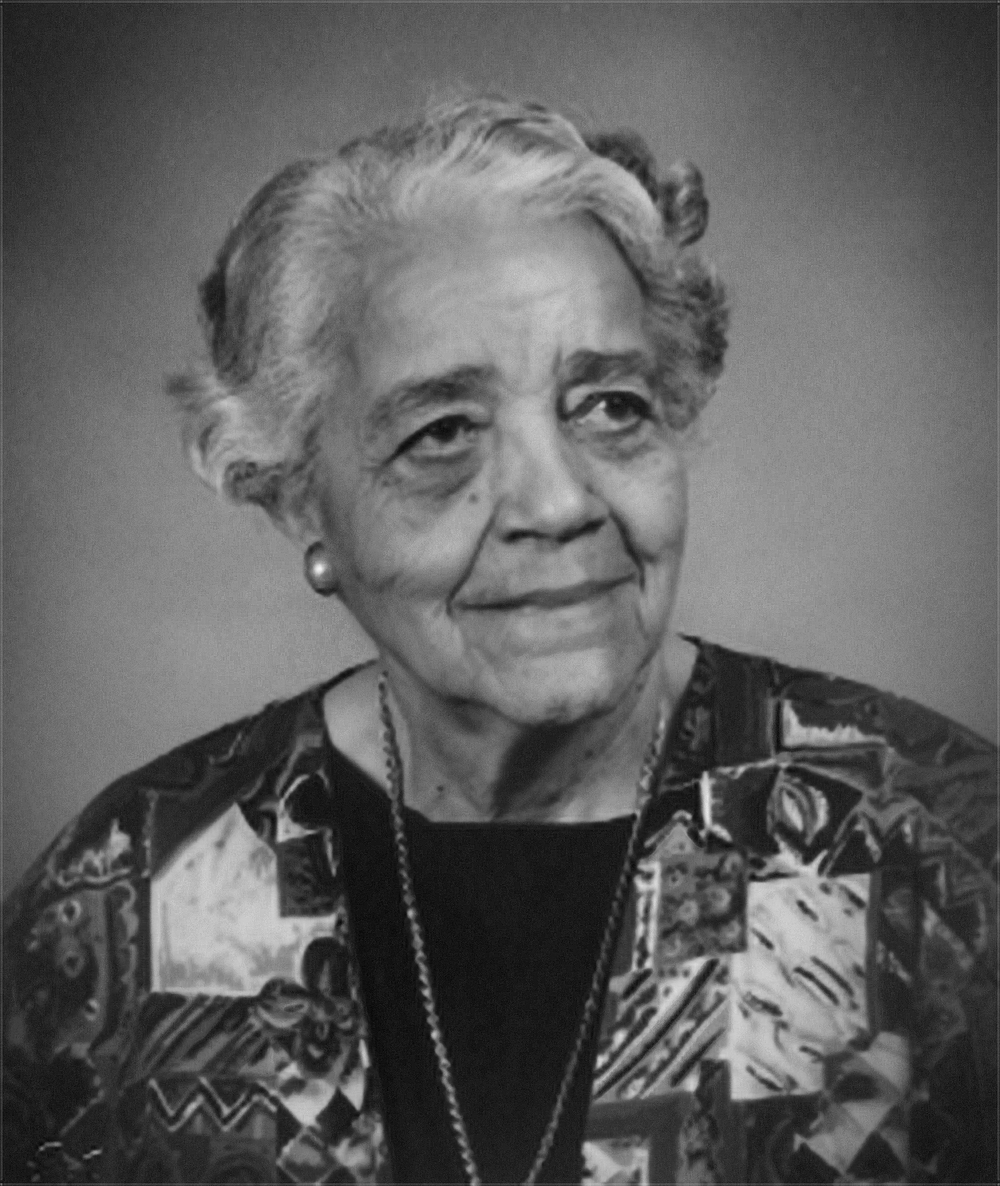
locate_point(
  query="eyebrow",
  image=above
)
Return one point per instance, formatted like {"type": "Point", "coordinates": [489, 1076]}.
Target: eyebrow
{"type": "Point", "coordinates": [417, 395]}
{"type": "Point", "coordinates": [595, 366]}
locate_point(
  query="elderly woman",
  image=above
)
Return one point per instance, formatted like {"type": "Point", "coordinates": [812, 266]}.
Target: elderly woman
{"type": "Point", "coordinates": [544, 893]}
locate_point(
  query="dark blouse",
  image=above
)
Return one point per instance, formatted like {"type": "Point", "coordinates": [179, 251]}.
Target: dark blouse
{"type": "Point", "coordinates": [513, 916]}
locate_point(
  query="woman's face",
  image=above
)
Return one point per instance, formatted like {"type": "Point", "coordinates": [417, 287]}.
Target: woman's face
{"type": "Point", "coordinates": [500, 492]}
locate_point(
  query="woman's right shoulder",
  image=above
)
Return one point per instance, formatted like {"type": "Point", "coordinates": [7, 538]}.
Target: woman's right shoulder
{"type": "Point", "coordinates": [83, 932]}
{"type": "Point", "coordinates": [132, 826]}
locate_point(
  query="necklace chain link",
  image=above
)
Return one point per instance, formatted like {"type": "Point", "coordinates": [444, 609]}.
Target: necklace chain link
{"type": "Point", "coordinates": [394, 770]}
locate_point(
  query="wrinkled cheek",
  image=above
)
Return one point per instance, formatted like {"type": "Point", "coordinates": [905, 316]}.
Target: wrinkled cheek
{"type": "Point", "coordinates": [654, 520]}
{"type": "Point", "coordinates": [667, 524]}
{"type": "Point", "coordinates": [410, 567]}
{"type": "Point", "coordinates": [658, 599]}
{"type": "Point", "coordinates": [659, 534]}
{"type": "Point", "coordinates": [417, 551]}
{"type": "Point", "coordinates": [382, 594]}
{"type": "Point", "coordinates": [398, 583]}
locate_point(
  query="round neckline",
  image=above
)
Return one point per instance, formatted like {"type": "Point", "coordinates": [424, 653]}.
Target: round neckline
{"type": "Point", "coordinates": [417, 820]}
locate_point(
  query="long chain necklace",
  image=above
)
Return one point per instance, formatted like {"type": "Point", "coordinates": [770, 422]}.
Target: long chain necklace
{"type": "Point", "coordinates": [394, 770]}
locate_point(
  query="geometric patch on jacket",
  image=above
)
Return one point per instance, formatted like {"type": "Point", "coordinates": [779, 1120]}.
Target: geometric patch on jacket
{"type": "Point", "coordinates": [855, 1130]}
{"type": "Point", "coordinates": [667, 1007]}
{"type": "Point", "coordinates": [612, 1160]}
{"type": "Point", "coordinates": [862, 1115]}
{"type": "Point", "coordinates": [787, 815]}
{"type": "Point", "coordinates": [272, 1071]}
{"type": "Point", "coordinates": [806, 725]}
{"type": "Point", "coordinates": [700, 905]}
{"type": "Point", "coordinates": [215, 920]}
{"type": "Point", "coordinates": [685, 1136]}
{"type": "Point", "coordinates": [799, 991]}
{"type": "Point", "coordinates": [688, 902]}
{"type": "Point", "coordinates": [219, 1131]}
{"type": "Point", "coordinates": [663, 1027]}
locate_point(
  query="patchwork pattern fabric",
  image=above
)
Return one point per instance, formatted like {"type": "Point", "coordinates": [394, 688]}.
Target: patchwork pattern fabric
{"type": "Point", "coordinates": [182, 1005]}
{"type": "Point", "coordinates": [832, 1021]}
{"type": "Point", "coordinates": [798, 992]}
{"type": "Point", "coordinates": [805, 986]}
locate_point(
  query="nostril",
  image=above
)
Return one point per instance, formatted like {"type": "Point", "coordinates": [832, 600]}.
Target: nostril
{"type": "Point", "coordinates": [515, 534]}
{"type": "Point", "coordinates": [589, 528]}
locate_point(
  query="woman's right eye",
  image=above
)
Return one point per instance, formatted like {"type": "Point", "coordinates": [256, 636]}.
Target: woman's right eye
{"type": "Point", "coordinates": [442, 439]}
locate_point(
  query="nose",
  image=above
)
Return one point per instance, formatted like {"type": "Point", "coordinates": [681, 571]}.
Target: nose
{"type": "Point", "coordinates": [542, 486]}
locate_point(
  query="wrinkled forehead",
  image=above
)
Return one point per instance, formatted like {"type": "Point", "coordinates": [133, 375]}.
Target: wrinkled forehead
{"type": "Point", "coordinates": [516, 294]}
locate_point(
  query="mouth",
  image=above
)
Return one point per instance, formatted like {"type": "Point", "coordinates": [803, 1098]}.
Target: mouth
{"type": "Point", "coordinates": [556, 598]}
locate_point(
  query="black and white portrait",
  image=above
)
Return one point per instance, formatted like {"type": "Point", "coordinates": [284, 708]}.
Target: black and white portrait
{"type": "Point", "coordinates": [500, 593]}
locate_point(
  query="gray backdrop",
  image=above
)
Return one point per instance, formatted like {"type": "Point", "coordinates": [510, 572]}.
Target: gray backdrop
{"type": "Point", "coordinates": [843, 512]}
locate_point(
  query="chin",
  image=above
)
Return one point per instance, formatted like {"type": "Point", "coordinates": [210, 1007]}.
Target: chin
{"type": "Point", "coordinates": [559, 691]}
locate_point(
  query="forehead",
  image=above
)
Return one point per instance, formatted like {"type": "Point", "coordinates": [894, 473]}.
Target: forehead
{"type": "Point", "coordinates": [513, 294]}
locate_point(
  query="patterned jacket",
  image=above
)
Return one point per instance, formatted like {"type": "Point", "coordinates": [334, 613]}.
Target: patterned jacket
{"type": "Point", "coordinates": [805, 987]}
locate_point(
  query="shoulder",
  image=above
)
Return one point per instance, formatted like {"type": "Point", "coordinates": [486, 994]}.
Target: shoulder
{"type": "Point", "coordinates": [83, 927]}
{"type": "Point", "coordinates": [135, 823]}
{"type": "Point", "coordinates": [882, 764]}
{"type": "Point", "coordinates": [830, 782]}
{"type": "Point", "coordinates": [806, 708]}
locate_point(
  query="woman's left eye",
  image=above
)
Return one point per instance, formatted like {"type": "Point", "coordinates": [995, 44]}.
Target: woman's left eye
{"type": "Point", "coordinates": [613, 411]}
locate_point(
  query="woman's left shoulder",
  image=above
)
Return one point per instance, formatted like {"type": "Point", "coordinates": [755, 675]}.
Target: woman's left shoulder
{"type": "Point", "coordinates": [824, 730]}
{"type": "Point", "coordinates": [809, 708]}
{"type": "Point", "coordinates": [837, 791]}
{"type": "Point", "coordinates": [818, 703]}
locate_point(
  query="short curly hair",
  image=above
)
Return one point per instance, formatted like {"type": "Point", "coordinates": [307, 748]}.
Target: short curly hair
{"type": "Point", "coordinates": [278, 305]}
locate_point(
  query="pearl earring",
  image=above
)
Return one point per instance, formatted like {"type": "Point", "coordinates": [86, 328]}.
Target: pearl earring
{"type": "Point", "coordinates": [319, 569]}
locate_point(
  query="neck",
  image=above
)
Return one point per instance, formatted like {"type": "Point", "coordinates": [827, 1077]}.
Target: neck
{"type": "Point", "coordinates": [470, 765]}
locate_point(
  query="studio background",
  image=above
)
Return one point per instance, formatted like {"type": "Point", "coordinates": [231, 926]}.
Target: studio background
{"type": "Point", "coordinates": [843, 512]}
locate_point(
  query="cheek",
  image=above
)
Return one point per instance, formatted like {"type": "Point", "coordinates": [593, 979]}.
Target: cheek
{"type": "Point", "coordinates": [650, 505]}
{"type": "Point", "coordinates": [396, 548]}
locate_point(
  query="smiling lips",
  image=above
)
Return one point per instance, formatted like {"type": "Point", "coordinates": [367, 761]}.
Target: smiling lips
{"type": "Point", "coordinates": [548, 598]}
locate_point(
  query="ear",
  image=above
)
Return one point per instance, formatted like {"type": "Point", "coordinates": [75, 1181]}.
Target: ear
{"type": "Point", "coordinates": [295, 513]}
{"type": "Point", "coordinates": [285, 496]}
{"type": "Point", "coordinates": [300, 528]}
